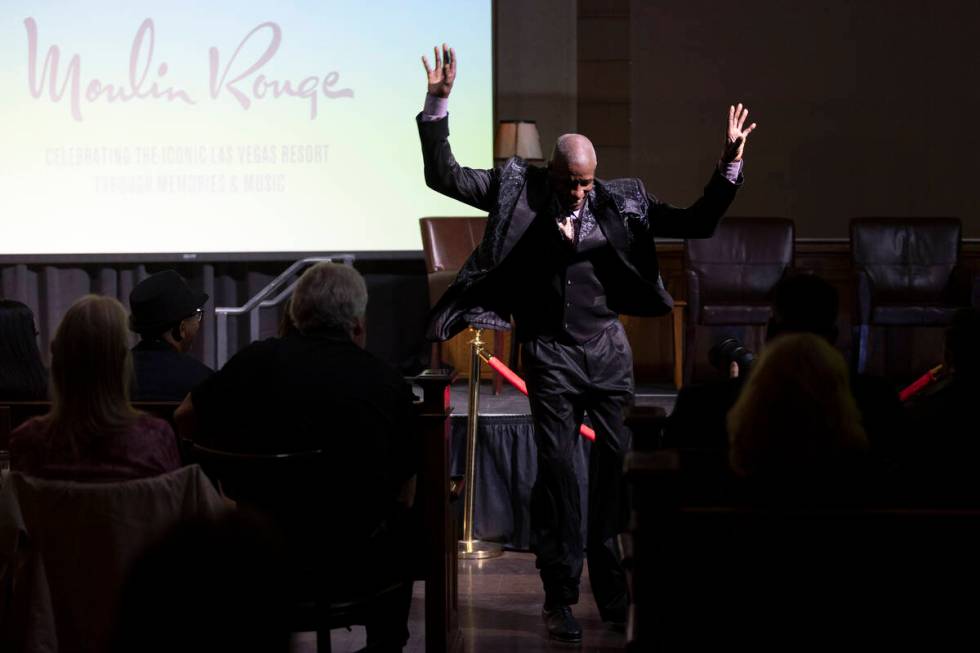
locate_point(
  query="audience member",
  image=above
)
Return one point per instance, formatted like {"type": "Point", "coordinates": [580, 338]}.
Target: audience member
{"type": "Point", "coordinates": [316, 388]}
{"type": "Point", "coordinates": [209, 585]}
{"type": "Point", "coordinates": [167, 315]}
{"type": "Point", "coordinates": [22, 376]}
{"type": "Point", "coordinates": [801, 303]}
{"type": "Point", "coordinates": [796, 417]}
{"type": "Point", "coordinates": [92, 432]}
{"type": "Point", "coordinates": [943, 418]}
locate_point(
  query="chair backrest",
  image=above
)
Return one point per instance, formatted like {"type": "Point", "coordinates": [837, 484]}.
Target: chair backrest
{"type": "Point", "coordinates": [293, 489]}
{"type": "Point", "coordinates": [908, 259]}
{"type": "Point", "coordinates": [261, 480]}
{"type": "Point", "coordinates": [67, 547]}
{"type": "Point", "coordinates": [744, 259]}
{"type": "Point", "coordinates": [448, 242]}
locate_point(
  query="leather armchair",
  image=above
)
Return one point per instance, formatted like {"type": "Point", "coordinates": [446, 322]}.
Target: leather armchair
{"type": "Point", "coordinates": [730, 276]}
{"type": "Point", "coordinates": [907, 274]}
{"type": "Point", "coordinates": [447, 243]}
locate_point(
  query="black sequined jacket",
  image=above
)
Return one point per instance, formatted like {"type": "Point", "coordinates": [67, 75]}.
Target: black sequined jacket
{"type": "Point", "coordinates": [514, 194]}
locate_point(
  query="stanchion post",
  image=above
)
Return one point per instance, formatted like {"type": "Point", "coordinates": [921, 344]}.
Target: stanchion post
{"type": "Point", "coordinates": [470, 548]}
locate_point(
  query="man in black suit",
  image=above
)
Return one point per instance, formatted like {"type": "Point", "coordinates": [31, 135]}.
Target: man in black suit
{"type": "Point", "coordinates": [563, 255]}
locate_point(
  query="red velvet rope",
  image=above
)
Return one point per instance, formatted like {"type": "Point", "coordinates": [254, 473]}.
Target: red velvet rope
{"type": "Point", "coordinates": [920, 383]}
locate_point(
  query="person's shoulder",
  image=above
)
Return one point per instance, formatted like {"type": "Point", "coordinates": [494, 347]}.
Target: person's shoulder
{"type": "Point", "coordinates": [376, 364]}
{"type": "Point", "coordinates": [628, 193]}
{"type": "Point", "coordinates": [517, 170]}
{"type": "Point", "coordinates": [32, 428]}
{"type": "Point", "coordinates": [369, 370]}
{"type": "Point", "coordinates": [195, 366]}
{"type": "Point", "coordinates": [621, 185]}
{"type": "Point", "coordinates": [248, 364]}
{"type": "Point", "coordinates": [262, 346]}
{"type": "Point", "coordinates": [256, 352]}
{"type": "Point", "coordinates": [29, 438]}
{"type": "Point", "coordinates": [517, 165]}
{"type": "Point", "coordinates": [147, 423]}
{"type": "Point", "coordinates": [168, 358]}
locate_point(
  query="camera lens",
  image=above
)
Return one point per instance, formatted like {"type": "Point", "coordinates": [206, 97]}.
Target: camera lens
{"type": "Point", "coordinates": [729, 350]}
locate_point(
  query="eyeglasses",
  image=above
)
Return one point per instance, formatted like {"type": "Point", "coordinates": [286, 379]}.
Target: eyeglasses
{"type": "Point", "coordinates": [197, 316]}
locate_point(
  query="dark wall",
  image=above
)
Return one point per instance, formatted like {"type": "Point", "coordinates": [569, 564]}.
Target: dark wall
{"type": "Point", "coordinates": [535, 64]}
{"type": "Point", "coordinates": [865, 107]}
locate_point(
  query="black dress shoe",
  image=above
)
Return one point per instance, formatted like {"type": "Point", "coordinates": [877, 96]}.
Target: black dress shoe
{"type": "Point", "coordinates": [561, 624]}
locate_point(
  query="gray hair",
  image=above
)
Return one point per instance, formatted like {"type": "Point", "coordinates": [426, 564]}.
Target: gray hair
{"type": "Point", "coordinates": [328, 295]}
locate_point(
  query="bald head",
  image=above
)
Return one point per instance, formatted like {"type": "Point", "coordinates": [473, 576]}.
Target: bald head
{"type": "Point", "coordinates": [573, 149]}
{"type": "Point", "coordinates": [571, 171]}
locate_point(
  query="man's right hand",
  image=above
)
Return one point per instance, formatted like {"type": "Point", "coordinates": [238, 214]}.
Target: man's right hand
{"type": "Point", "coordinates": [442, 76]}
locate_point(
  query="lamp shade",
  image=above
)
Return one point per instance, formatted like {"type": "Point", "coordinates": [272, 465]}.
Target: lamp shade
{"type": "Point", "coordinates": [518, 138]}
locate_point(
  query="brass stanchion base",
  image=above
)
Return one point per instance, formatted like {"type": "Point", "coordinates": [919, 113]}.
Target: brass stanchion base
{"type": "Point", "coordinates": [478, 550]}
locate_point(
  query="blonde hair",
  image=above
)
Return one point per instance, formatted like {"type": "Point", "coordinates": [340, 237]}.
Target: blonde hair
{"type": "Point", "coordinates": [796, 411]}
{"type": "Point", "coordinates": [91, 372]}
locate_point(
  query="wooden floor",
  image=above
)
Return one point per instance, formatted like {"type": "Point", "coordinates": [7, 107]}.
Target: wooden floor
{"type": "Point", "coordinates": [500, 611]}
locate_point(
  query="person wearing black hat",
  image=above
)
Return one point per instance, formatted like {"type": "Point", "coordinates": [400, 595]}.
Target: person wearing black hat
{"type": "Point", "coordinates": [166, 313]}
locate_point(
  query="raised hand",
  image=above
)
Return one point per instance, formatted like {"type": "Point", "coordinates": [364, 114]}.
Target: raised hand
{"type": "Point", "coordinates": [737, 133]}
{"type": "Point", "coordinates": [443, 74]}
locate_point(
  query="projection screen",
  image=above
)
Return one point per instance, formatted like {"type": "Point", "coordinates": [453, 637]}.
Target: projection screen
{"type": "Point", "coordinates": [219, 126]}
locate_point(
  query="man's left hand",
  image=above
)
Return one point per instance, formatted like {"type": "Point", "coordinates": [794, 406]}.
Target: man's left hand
{"type": "Point", "coordinates": [737, 133]}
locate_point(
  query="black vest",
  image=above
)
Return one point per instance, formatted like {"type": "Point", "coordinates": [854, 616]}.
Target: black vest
{"type": "Point", "coordinates": [557, 286]}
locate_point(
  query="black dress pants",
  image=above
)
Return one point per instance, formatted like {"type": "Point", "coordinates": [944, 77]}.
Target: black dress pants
{"type": "Point", "coordinates": [565, 381]}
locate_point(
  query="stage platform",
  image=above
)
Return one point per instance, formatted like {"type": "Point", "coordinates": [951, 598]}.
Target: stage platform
{"type": "Point", "coordinates": [506, 463]}
{"type": "Point", "coordinates": [511, 402]}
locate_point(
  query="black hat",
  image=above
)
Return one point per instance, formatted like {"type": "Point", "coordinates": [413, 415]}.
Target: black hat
{"type": "Point", "coordinates": [162, 300]}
